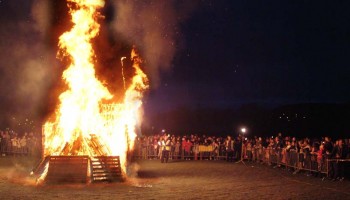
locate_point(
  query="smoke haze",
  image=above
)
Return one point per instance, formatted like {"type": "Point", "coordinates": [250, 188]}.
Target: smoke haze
{"type": "Point", "coordinates": [26, 62]}
{"type": "Point", "coordinates": [154, 27]}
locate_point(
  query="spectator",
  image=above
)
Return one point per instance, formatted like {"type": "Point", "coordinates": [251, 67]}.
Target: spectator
{"type": "Point", "coordinates": [216, 147]}
{"type": "Point", "coordinates": [177, 148]}
{"type": "Point", "coordinates": [187, 146]}
{"type": "Point", "coordinates": [339, 152]}
{"type": "Point", "coordinates": [320, 161]}
{"type": "Point", "coordinates": [229, 144]}
{"type": "Point", "coordinates": [249, 151]}
{"type": "Point", "coordinates": [23, 144]}
{"type": "Point", "coordinates": [15, 145]}
{"type": "Point", "coordinates": [166, 147]}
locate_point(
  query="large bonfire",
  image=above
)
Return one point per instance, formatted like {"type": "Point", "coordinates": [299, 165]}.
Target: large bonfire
{"type": "Point", "coordinates": [87, 120]}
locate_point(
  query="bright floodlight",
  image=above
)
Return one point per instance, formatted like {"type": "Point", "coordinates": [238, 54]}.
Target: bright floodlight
{"type": "Point", "coordinates": [243, 130]}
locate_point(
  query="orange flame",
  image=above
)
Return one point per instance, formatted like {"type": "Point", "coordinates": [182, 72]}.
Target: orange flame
{"type": "Point", "coordinates": [83, 125]}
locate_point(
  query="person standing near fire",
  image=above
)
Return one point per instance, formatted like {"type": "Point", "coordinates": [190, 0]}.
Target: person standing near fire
{"type": "Point", "coordinates": [166, 147]}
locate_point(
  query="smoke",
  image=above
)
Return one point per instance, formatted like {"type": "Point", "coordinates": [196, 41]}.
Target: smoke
{"type": "Point", "coordinates": [41, 14]}
{"type": "Point", "coordinates": [26, 60]}
{"type": "Point", "coordinates": [18, 170]}
{"type": "Point", "coordinates": [18, 174]}
{"type": "Point", "coordinates": [132, 170]}
{"type": "Point", "coordinates": [154, 27]}
{"type": "Point", "coordinates": [133, 179]}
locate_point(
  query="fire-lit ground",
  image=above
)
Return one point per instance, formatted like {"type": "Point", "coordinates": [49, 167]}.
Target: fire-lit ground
{"type": "Point", "coordinates": [178, 180]}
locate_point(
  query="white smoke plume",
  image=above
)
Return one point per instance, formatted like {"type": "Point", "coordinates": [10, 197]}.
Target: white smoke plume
{"type": "Point", "coordinates": [154, 27]}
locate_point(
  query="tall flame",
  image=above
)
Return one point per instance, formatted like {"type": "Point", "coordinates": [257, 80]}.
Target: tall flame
{"type": "Point", "coordinates": [83, 124]}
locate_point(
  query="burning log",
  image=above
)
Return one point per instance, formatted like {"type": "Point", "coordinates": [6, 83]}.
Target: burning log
{"type": "Point", "coordinates": [97, 146]}
{"type": "Point", "coordinates": [66, 149]}
{"type": "Point", "coordinates": [74, 148]}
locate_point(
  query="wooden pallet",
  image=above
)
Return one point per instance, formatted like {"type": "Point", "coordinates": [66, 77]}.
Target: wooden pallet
{"type": "Point", "coordinates": [68, 169]}
{"type": "Point", "coordinates": [105, 168]}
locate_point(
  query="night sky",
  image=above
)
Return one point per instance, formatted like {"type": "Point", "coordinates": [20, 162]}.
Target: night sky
{"type": "Point", "coordinates": [227, 53]}
{"type": "Point", "coordinates": [265, 52]}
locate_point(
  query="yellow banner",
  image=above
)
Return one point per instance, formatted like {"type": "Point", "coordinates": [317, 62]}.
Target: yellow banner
{"type": "Point", "coordinates": [203, 148]}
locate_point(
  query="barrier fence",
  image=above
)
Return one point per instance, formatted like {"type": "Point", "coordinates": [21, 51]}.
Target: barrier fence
{"type": "Point", "coordinates": [27, 147]}
{"type": "Point", "coordinates": [292, 159]}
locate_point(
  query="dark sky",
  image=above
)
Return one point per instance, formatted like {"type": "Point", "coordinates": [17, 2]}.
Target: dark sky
{"type": "Point", "coordinates": [234, 52]}
{"type": "Point", "coordinates": [265, 52]}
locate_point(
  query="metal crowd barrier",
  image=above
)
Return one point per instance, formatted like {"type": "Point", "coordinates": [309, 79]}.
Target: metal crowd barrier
{"type": "Point", "coordinates": [22, 151]}
{"type": "Point", "coordinates": [297, 161]}
{"type": "Point", "coordinates": [197, 152]}
{"type": "Point", "coordinates": [289, 159]}
{"type": "Point", "coordinates": [7, 149]}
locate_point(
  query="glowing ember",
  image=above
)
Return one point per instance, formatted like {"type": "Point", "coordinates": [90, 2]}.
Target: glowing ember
{"type": "Point", "coordinates": [83, 124]}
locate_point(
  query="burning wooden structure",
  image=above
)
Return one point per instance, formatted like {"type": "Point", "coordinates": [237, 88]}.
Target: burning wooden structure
{"type": "Point", "coordinates": [70, 167]}
{"type": "Point", "coordinates": [89, 135]}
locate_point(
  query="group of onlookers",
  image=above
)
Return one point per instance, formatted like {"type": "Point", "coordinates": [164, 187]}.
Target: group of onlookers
{"type": "Point", "coordinates": [315, 156]}
{"type": "Point", "coordinates": [15, 144]}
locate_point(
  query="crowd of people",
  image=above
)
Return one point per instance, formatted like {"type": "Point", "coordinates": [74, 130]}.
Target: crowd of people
{"type": "Point", "coordinates": [15, 144]}
{"type": "Point", "coordinates": [321, 156]}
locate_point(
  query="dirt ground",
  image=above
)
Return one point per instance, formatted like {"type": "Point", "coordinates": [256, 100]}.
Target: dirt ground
{"type": "Point", "coordinates": [176, 180]}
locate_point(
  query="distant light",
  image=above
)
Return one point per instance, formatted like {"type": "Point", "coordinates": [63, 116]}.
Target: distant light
{"type": "Point", "coordinates": [243, 130]}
